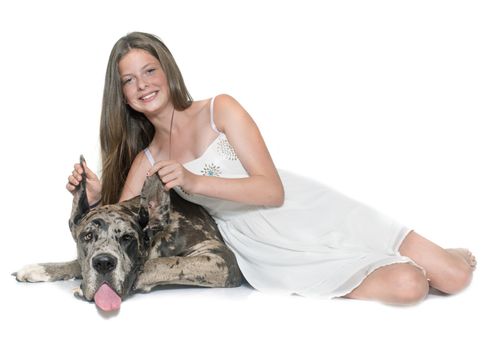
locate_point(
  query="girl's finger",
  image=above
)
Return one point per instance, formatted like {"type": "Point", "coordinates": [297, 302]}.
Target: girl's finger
{"type": "Point", "coordinates": [168, 178]}
{"type": "Point", "coordinates": [170, 185]}
{"type": "Point", "coordinates": [78, 168]}
{"type": "Point", "coordinates": [76, 175]}
{"type": "Point", "coordinates": [154, 169]}
{"type": "Point", "coordinates": [73, 181]}
{"type": "Point", "coordinates": [167, 170]}
{"type": "Point", "coordinates": [158, 166]}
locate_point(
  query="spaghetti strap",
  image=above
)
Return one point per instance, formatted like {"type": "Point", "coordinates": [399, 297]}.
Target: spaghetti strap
{"type": "Point", "coordinates": [213, 125]}
{"type": "Point", "coordinates": [149, 156]}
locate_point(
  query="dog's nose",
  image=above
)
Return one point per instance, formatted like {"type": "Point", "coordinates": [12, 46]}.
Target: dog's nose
{"type": "Point", "coordinates": [104, 263]}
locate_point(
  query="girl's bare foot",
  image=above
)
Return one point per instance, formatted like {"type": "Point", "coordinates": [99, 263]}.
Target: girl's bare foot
{"type": "Point", "coordinates": [465, 254]}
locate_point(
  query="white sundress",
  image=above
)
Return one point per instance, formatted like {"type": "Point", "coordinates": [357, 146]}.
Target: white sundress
{"type": "Point", "coordinates": [318, 243]}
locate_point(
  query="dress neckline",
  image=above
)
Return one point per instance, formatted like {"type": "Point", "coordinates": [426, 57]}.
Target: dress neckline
{"type": "Point", "coordinates": [205, 151]}
{"type": "Point", "coordinates": [152, 160]}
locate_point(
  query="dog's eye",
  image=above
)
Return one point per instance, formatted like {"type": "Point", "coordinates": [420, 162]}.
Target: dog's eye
{"type": "Point", "coordinates": [87, 237]}
{"type": "Point", "coordinates": [126, 238]}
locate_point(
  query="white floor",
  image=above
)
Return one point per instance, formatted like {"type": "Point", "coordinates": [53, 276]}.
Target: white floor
{"type": "Point", "coordinates": [46, 315]}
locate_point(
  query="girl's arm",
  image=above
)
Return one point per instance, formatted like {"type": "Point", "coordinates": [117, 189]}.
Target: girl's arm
{"type": "Point", "coordinates": [262, 187]}
{"type": "Point", "coordinates": [135, 178]}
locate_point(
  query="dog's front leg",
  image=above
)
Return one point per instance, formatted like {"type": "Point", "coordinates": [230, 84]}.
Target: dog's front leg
{"type": "Point", "coordinates": [207, 270]}
{"type": "Point", "coordinates": [49, 272]}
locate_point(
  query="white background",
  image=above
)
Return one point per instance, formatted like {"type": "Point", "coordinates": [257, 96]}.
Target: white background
{"type": "Point", "coordinates": [387, 101]}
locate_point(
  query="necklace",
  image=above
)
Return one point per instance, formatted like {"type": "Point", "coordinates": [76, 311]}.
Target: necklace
{"type": "Point", "coordinates": [170, 131]}
{"type": "Point", "coordinates": [168, 220]}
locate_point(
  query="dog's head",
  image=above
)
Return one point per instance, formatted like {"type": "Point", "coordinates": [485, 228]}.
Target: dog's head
{"type": "Point", "coordinates": [113, 240]}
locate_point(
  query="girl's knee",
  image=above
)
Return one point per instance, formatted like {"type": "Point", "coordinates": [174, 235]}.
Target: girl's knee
{"type": "Point", "coordinates": [411, 286]}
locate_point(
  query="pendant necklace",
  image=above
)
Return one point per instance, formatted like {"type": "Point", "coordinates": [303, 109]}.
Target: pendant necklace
{"type": "Point", "coordinates": [170, 131]}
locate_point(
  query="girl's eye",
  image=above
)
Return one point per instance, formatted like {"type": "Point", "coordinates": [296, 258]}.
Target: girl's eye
{"type": "Point", "coordinates": [151, 70]}
{"type": "Point", "coordinates": [126, 81]}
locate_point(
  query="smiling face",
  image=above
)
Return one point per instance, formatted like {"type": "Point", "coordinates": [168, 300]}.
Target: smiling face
{"type": "Point", "coordinates": [144, 82]}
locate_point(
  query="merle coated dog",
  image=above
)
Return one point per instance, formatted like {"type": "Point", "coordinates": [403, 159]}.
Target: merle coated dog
{"type": "Point", "coordinates": [154, 239]}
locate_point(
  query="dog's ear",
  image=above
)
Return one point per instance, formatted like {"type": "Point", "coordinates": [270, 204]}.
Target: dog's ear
{"type": "Point", "coordinates": [80, 204]}
{"type": "Point", "coordinates": [154, 203]}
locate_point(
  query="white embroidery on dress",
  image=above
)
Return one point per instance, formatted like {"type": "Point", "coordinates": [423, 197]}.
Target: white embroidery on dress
{"type": "Point", "coordinates": [185, 192]}
{"type": "Point", "coordinates": [225, 149]}
{"type": "Point", "coordinates": [211, 170]}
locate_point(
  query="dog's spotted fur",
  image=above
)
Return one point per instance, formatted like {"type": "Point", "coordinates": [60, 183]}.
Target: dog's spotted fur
{"type": "Point", "coordinates": [155, 239]}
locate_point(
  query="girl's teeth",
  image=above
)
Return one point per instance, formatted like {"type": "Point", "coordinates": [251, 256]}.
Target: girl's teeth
{"type": "Point", "coordinates": [148, 96]}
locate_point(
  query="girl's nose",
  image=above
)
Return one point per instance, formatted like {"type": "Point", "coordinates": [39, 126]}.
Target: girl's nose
{"type": "Point", "coordinates": [141, 84]}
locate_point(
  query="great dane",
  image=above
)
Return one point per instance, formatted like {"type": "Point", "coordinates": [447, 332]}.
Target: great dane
{"type": "Point", "coordinates": [154, 239]}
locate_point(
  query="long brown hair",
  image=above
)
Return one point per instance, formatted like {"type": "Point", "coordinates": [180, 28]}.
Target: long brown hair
{"type": "Point", "coordinates": [124, 132]}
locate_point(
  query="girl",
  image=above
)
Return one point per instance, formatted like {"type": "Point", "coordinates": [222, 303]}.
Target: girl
{"type": "Point", "coordinates": [288, 233]}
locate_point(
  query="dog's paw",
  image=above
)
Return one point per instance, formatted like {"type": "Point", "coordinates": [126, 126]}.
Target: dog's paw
{"type": "Point", "coordinates": [32, 273]}
{"type": "Point", "coordinates": [141, 287]}
{"type": "Point", "coordinates": [78, 293]}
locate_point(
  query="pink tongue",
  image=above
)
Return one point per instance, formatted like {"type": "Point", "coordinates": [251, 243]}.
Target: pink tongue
{"type": "Point", "coordinates": [106, 298]}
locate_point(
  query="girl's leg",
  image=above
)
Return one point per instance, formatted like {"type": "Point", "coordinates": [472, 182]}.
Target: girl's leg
{"type": "Point", "coordinates": [399, 283]}
{"type": "Point", "coordinates": [448, 270]}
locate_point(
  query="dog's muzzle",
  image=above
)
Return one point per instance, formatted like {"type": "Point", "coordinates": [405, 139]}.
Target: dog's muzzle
{"type": "Point", "coordinates": [105, 297]}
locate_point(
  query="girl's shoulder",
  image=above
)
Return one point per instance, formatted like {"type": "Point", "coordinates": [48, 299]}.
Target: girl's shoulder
{"type": "Point", "coordinates": [225, 101]}
{"type": "Point", "coordinates": [226, 109]}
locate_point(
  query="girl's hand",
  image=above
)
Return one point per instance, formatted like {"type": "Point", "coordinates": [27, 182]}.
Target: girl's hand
{"type": "Point", "coordinates": [93, 185]}
{"type": "Point", "coordinates": [174, 174]}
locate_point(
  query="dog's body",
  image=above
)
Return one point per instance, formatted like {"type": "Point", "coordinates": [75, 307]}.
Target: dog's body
{"type": "Point", "coordinates": [155, 239]}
